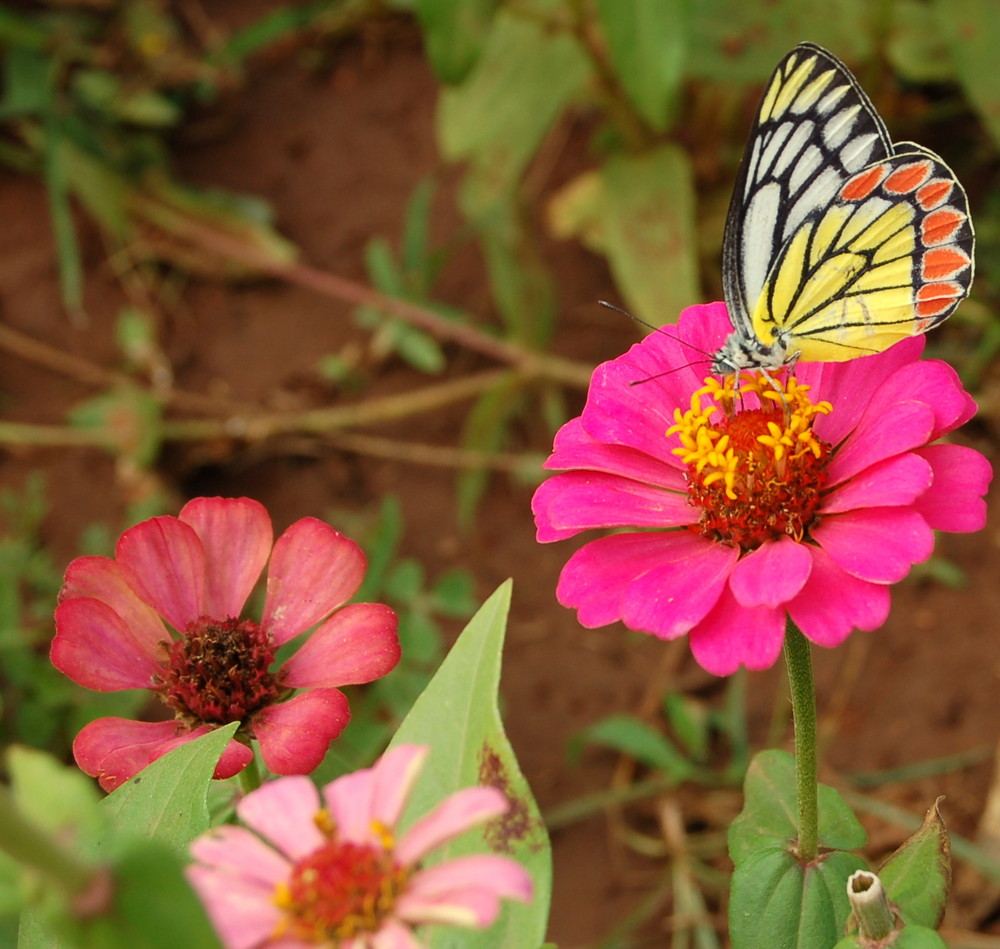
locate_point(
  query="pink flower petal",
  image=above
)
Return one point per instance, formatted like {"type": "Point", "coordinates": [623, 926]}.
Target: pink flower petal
{"type": "Point", "coordinates": [313, 570]}
{"type": "Point", "coordinates": [599, 579]}
{"type": "Point", "coordinates": [850, 385]}
{"type": "Point", "coordinates": [393, 778]}
{"type": "Point", "coordinates": [679, 588]}
{"type": "Point", "coordinates": [238, 854]}
{"type": "Point", "coordinates": [357, 644]}
{"type": "Point", "coordinates": [895, 482]}
{"type": "Point", "coordinates": [115, 749]}
{"type": "Point", "coordinates": [576, 450]}
{"type": "Point", "coordinates": [295, 735]}
{"type": "Point", "coordinates": [577, 500]}
{"type": "Point", "coordinates": [772, 574]}
{"type": "Point", "coordinates": [284, 811]}
{"type": "Point", "coordinates": [936, 383]}
{"type": "Point", "coordinates": [349, 801]}
{"type": "Point", "coordinates": [108, 581]}
{"type": "Point", "coordinates": [236, 536]}
{"type": "Point", "coordinates": [465, 891]}
{"type": "Point", "coordinates": [235, 879]}
{"type": "Point", "coordinates": [630, 401]}
{"type": "Point", "coordinates": [876, 544]}
{"type": "Point", "coordinates": [833, 603]}
{"type": "Point", "coordinates": [167, 561]}
{"type": "Point", "coordinates": [458, 813]}
{"type": "Point", "coordinates": [880, 435]}
{"type": "Point", "coordinates": [732, 636]}
{"type": "Point", "coordinates": [961, 478]}
{"type": "Point", "coordinates": [95, 648]}
{"type": "Point", "coordinates": [391, 935]}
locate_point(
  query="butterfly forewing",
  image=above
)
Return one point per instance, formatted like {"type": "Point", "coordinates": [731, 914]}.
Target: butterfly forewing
{"type": "Point", "coordinates": [815, 127]}
{"type": "Point", "coordinates": [838, 243]}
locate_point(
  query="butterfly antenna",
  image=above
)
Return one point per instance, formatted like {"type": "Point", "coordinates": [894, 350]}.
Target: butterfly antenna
{"type": "Point", "coordinates": [656, 329]}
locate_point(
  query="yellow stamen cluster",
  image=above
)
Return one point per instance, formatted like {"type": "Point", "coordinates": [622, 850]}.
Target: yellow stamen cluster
{"type": "Point", "coordinates": [756, 469]}
{"type": "Point", "coordinates": [340, 890]}
{"type": "Point", "coordinates": [709, 448]}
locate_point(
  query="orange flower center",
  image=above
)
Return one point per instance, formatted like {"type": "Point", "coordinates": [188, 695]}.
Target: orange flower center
{"type": "Point", "coordinates": [339, 890]}
{"type": "Point", "coordinates": [756, 474]}
{"type": "Point", "coordinates": [217, 672]}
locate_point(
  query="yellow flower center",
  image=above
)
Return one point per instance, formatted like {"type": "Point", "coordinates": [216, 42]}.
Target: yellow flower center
{"type": "Point", "coordinates": [341, 889]}
{"type": "Point", "coordinates": [756, 474]}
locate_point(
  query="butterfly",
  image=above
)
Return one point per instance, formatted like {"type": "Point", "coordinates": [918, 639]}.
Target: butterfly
{"type": "Point", "coordinates": [839, 242]}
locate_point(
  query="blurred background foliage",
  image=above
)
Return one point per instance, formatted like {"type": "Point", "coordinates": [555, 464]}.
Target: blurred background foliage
{"type": "Point", "coordinates": [659, 93]}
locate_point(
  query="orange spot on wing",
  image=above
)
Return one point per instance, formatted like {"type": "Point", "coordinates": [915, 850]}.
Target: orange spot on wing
{"type": "Point", "coordinates": [909, 177]}
{"type": "Point", "coordinates": [940, 226]}
{"type": "Point", "coordinates": [863, 184]}
{"type": "Point", "coordinates": [933, 299]}
{"type": "Point", "coordinates": [942, 262]}
{"type": "Point", "coordinates": [935, 192]}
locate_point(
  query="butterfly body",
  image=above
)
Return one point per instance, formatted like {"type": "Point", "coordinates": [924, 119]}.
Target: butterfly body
{"type": "Point", "coordinates": [838, 242]}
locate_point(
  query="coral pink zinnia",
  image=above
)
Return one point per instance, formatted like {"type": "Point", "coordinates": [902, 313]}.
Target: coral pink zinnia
{"type": "Point", "coordinates": [208, 665]}
{"type": "Point", "coordinates": [752, 505]}
{"type": "Point", "coordinates": [336, 873]}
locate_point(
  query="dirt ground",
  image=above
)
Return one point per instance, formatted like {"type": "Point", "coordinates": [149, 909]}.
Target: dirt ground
{"type": "Point", "coordinates": [337, 153]}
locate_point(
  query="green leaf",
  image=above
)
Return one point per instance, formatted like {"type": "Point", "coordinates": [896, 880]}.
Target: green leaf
{"type": "Point", "coordinates": [419, 349]}
{"type": "Point", "coordinates": [166, 801]}
{"type": "Point", "coordinates": [769, 816]}
{"type": "Point", "coordinates": [739, 41]}
{"type": "Point", "coordinates": [918, 875]}
{"type": "Point", "coordinates": [777, 903]}
{"type": "Point", "coordinates": [915, 46]}
{"type": "Point", "coordinates": [27, 85]}
{"type": "Point", "coordinates": [458, 717]}
{"type": "Point", "coordinates": [649, 230]}
{"type": "Point", "coordinates": [498, 117]}
{"type": "Point", "coordinates": [154, 906]}
{"type": "Point", "coordinates": [647, 40]}
{"type": "Point", "coordinates": [128, 418]}
{"type": "Point", "coordinates": [52, 795]}
{"type": "Point", "coordinates": [57, 189]}
{"type": "Point", "coordinates": [690, 720]}
{"type": "Point", "coordinates": [453, 593]}
{"type": "Point", "coordinates": [383, 271]}
{"type": "Point", "coordinates": [414, 254]}
{"type": "Point", "coordinates": [485, 429]}
{"type": "Point", "coordinates": [454, 33]}
{"type": "Point", "coordinates": [381, 548]}
{"type": "Point", "coordinates": [972, 33]}
{"type": "Point", "coordinates": [522, 286]}
{"type": "Point", "coordinates": [910, 937]}
{"type": "Point", "coordinates": [641, 741]}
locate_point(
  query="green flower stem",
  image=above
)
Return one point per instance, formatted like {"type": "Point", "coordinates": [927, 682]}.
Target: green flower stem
{"type": "Point", "coordinates": [30, 845]}
{"type": "Point", "coordinates": [249, 777]}
{"type": "Point", "coordinates": [800, 677]}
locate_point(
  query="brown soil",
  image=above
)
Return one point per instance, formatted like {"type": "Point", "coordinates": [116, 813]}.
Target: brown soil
{"type": "Point", "coordinates": [337, 154]}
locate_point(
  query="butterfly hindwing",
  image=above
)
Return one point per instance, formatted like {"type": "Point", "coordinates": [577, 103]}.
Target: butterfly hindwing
{"type": "Point", "coordinates": [838, 243]}
{"type": "Point", "coordinates": [889, 257]}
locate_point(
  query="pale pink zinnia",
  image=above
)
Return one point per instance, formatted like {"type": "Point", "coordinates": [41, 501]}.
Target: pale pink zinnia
{"type": "Point", "coordinates": [750, 505]}
{"type": "Point", "coordinates": [166, 614]}
{"type": "Point", "coordinates": [333, 870]}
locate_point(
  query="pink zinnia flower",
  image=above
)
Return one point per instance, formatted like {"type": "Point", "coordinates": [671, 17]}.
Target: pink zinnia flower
{"type": "Point", "coordinates": [756, 505]}
{"type": "Point", "coordinates": [210, 667]}
{"type": "Point", "coordinates": [335, 872]}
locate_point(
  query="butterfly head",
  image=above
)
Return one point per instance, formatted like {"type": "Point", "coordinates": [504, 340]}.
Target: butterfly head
{"type": "Point", "coordinates": [740, 352]}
